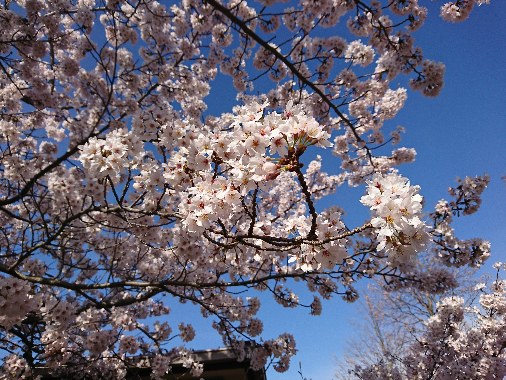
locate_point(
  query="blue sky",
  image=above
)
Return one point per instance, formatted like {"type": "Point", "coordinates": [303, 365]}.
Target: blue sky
{"type": "Point", "coordinates": [461, 132]}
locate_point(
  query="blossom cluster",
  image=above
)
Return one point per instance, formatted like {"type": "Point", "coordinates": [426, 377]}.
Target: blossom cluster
{"type": "Point", "coordinates": [329, 251]}
{"type": "Point", "coordinates": [397, 209]}
{"type": "Point", "coordinates": [467, 200]}
{"type": "Point", "coordinates": [473, 339]}
{"type": "Point", "coordinates": [17, 300]}
{"type": "Point", "coordinates": [225, 167]}
{"type": "Point", "coordinates": [456, 11]}
{"type": "Point", "coordinates": [110, 156]}
{"type": "Point", "coordinates": [460, 338]}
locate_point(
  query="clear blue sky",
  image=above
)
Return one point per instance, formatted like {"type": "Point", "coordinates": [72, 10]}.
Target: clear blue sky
{"type": "Point", "coordinates": [461, 132]}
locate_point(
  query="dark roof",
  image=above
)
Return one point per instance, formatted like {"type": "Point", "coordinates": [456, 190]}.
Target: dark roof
{"type": "Point", "coordinates": [219, 364]}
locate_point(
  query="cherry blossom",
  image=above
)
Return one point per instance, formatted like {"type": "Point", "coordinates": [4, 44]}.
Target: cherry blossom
{"type": "Point", "coordinates": [459, 341]}
{"type": "Point", "coordinates": [123, 188]}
